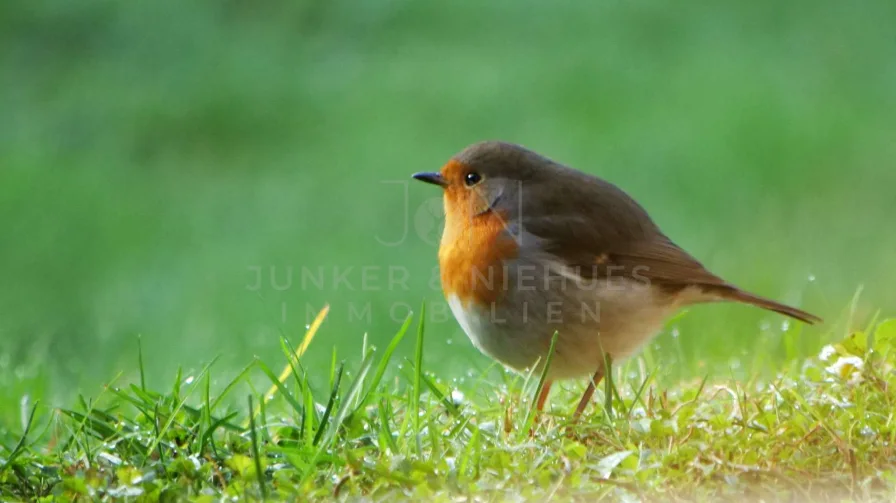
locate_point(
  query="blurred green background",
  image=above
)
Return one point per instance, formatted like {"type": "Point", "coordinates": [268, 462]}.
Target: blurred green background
{"type": "Point", "coordinates": [154, 155]}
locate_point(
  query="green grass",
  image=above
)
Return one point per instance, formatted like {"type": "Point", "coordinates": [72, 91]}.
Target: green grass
{"type": "Point", "coordinates": [149, 160]}
{"type": "Point", "coordinates": [821, 430]}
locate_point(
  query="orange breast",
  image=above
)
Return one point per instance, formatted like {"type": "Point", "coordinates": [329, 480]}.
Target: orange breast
{"type": "Point", "coordinates": [472, 257]}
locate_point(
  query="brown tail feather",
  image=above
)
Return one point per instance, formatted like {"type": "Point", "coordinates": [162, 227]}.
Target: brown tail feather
{"type": "Point", "coordinates": [737, 295]}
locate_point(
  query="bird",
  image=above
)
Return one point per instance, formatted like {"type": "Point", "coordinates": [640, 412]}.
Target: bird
{"type": "Point", "coordinates": [532, 248]}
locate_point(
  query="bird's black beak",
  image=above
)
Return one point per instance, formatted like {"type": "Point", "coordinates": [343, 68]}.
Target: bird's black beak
{"type": "Point", "coordinates": [433, 178]}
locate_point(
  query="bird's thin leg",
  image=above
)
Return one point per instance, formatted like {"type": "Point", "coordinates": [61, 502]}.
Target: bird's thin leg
{"type": "Point", "coordinates": [543, 395]}
{"type": "Point", "coordinates": [589, 391]}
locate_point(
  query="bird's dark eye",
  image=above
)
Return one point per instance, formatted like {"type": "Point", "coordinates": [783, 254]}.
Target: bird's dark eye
{"type": "Point", "coordinates": [472, 178]}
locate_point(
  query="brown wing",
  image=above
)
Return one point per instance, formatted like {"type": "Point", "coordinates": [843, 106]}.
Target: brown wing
{"type": "Point", "coordinates": [601, 250]}
{"type": "Point", "coordinates": [660, 260]}
{"type": "Point", "coordinates": [657, 261]}
{"type": "Point", "coordinates": [596, 227]}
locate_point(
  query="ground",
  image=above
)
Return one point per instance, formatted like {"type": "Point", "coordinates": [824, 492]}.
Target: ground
{"type": "Point", "coordinates": [821, 430]}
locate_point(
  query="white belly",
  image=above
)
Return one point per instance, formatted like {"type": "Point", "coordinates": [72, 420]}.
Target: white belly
{"type": "Point", "coordinates": [613, 318]}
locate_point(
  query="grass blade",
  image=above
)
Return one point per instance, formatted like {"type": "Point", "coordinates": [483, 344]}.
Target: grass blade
{"type": "Point", "coordinates": [306, 341]}
{"type": "Point", "coordinates": [207, 434]}
{"type": "Point", "coordinates": [308, 420]}
{"type": "Point", "coordinates": [346, 406]}
{"type": "Point", "coordinates": [418, 372]}
{"type": "Point", "coordinates": [20, 446]}
{"type": "Point", "coordinates": [384, 363]}
{"type": "Point", "coordinates": [177, 408]}
{"type": "Point", "coordinates": [530, 415]}
{"type": "Point", "coordinates": [330, 404]}
{"type": "Point", "coordinates": [640, 391]}
{"type": "Point", "coordinates": [333, 427]}
{"type": "Point", "coordinates": [609, 387]}
{"type": "Point", "coordinates": [278, 385]}
{"type": "Point", "coordinates": [385, 412]}
{"type": "Point", "coordinates": [232, 384]}
{"type": "Point", "coordinates": [440, 395]}
{"type": "Point", "coordinates": [140, 363]}
{"type": "Point", "coordinates": [256, 456]}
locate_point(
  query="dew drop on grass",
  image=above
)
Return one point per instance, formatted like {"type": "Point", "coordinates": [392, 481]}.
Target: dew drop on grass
{"type": "Point", "coordinates": [785, 325]}
{"type": "Point", "coordinates": [307, 327]}
{"type": "Point", "coordinates": [675, 333]}
{"type": "Point", "coordinates": [449, 342]}
{"type": "Point", "coordinates": [188, 380]}
{"type": "Point", "coordinates": [811, 277]}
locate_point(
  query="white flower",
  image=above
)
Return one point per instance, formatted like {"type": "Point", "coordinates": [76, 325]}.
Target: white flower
{"type": "Point", "coordinates": [826, 353]}
{"type": "Point", "coordinates": [845, 366]}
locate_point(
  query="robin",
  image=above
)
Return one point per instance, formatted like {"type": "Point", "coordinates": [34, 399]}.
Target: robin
{"type": "Point", "coordinates": [532, 247]}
